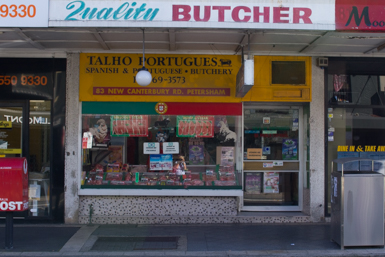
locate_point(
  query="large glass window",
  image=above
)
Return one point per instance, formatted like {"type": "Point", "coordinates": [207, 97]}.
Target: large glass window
{"type": "Point", "coordinates": [356, 89]}
{"type": "Point", "coordinates": [166, 151]}
{"type": "Point", "coordinates": [355, 115]}
{"type": "Point", "coordinates": [355, 133]}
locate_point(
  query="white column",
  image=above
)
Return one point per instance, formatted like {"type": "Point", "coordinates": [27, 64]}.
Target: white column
{"type": "Point", "coordinates": [71, 182]}
{"type": "Point", "coordinates": [317, 145]}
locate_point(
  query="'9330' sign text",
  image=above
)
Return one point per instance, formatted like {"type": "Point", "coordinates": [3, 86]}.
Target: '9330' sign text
{"type": "Point", "coordinates": [24, 80]}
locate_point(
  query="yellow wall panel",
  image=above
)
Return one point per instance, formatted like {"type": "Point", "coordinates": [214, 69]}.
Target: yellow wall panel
{"type": "Point", "coordinates": [265, 91]}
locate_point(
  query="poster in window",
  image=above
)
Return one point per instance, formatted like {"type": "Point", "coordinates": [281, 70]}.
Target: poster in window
{"type": "Point", "coordinates": [196, 154]}
{"type": "Point", "coordinates": [129, 125]}
{"type": "Point", "coordinates": [271, 182]}
{"type": "Point", "coordinates": [160, 162]}
{"type": "Point", "coordinates": [227, 156]}
{"type": "Point", "coordinates": [253, 182]}
{"type": "Point", "coordinates": [98, 126]}
{"type": "Point", "coordinates": [195, 126]}
{"type": "Point", "coordinates": [289, 149]}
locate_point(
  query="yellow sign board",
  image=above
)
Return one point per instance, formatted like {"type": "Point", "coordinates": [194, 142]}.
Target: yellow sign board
{"type": "Point", "coordinates": [10, 151]}
{"type": "Point", "coordinates": [254, 153]}
{"type": "Point", "coordinates": [5, 124]}
{"type": "Point", "coordinates": [175, 78]}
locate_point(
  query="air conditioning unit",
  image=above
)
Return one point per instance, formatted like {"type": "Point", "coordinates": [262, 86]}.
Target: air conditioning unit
{"type": "Point", "coordinates": [322, 62]}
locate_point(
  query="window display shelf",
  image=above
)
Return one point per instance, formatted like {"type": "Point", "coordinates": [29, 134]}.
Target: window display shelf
{"type": "Point", "coordinates": [160, 192]}
{"type": "Point", "coordinates": [138, 177]}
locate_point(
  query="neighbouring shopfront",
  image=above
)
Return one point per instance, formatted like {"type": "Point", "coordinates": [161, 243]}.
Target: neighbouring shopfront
{"type": "Point", "coordinates": [32, 117]}
{"type": "Point", "coordinates": [185, 146]}
{"type": "Point", "coordinates": [355, 114]}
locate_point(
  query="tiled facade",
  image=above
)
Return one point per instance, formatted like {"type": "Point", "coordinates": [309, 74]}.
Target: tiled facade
{"type": "Point", "coordinates": [169, 210]}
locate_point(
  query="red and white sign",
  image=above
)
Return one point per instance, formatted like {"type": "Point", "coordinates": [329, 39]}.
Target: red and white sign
{"type": "Point", "coordinates": [24, 13]}
{"type": "Point", "coordinates": [13, 184]}
{"type": "Point", "coordinates": [273, 14]}
{"type": "Point", "coordinates": [368, 15]}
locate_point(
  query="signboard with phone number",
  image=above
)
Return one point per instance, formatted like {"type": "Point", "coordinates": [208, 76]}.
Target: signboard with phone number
{"type": "Point", "coordinates": [23, 13]}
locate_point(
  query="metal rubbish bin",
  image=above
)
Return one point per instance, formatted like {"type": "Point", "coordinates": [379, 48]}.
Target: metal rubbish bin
{"type": "Point", "coordinates": [357, 204]}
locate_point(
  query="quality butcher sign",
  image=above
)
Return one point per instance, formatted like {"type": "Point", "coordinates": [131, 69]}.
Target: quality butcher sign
{"type": "Point", "coordinates": [267, 14]}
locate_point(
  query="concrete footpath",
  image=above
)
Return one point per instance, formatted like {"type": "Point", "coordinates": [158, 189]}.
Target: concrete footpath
{"type": "Point", "coordinates": [178, 240]}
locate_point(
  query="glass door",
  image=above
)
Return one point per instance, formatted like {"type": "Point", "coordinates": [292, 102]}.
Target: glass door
{"type": "Point", "coordinates": [11, 131]}
{"type": "Point", "coordinates": [272, 159]}
{"type": "Point", "coordinates": [25, 131]}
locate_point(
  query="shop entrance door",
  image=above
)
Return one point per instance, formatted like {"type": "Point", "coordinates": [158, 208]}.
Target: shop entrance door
{"type": "Point", "coordinates": [11, 130]}
{"type": "Point", "coordinates": [272, 179]}
{"type": "Point", "coordinates": [13, 134]}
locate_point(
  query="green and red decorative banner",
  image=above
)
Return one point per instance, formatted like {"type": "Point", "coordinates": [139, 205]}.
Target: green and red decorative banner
{"type": "Point", "coordinates": [195, 126]}
{"type": "Point", "coordinates": [129, 125]}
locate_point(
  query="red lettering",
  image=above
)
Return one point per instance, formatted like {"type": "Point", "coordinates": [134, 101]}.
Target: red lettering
{"type": "Point", "coordinates": [235, 14]}
{"type": "Point", "coordinates": [265, 13]}
{"type": "Point", "coordinates": [306, 12]}
{"type": "Point", "coordinates": [206, 15]}
{"type": "Point", "coordinates": [181, 10]}
{"type": "Point", "coordinates": [221, 12]}
{"type": "Point", "coordinates": [278, 15]}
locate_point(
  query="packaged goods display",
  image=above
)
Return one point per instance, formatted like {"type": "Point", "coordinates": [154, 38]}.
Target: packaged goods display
{"type": "Point", "coordinates": [139, 176]}
{"type": "Point", "coordinates": [163, 150]}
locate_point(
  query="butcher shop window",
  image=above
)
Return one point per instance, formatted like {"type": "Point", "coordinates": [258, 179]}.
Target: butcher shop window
{"type": "Point", "coordinates": [167, 151]}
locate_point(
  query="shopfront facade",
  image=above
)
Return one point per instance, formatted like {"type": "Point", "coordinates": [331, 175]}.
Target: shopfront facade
{"type": "Point", "coordinates": [196, 145]}
{"type": "Point", "coordinates": [241, 154]}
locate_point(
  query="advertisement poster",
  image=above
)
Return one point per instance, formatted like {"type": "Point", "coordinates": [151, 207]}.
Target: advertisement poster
{"type": "Point", "coordinates": [227, 156]}
{"type": "Point", "coordinates": [129, 125]}
{"type": "Point", "coordinates": [289, 149]}
{"type": "Point", "coordinates": [97, 125]}
{"type": "Point", "coordinates": [161, 162]}
{"type": "Point", "coordinates": [271, 182]}
{"type": "Point", "coordinates": [196, 154]}
{"type": "Point", "coordinates": [195, 126]}
{"type": "Point", "coordinates": [116, 154]}
{"type": "Point", "coordinates": [253, 182]}
{"type": "Point", "coordinates": [87, 140]}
